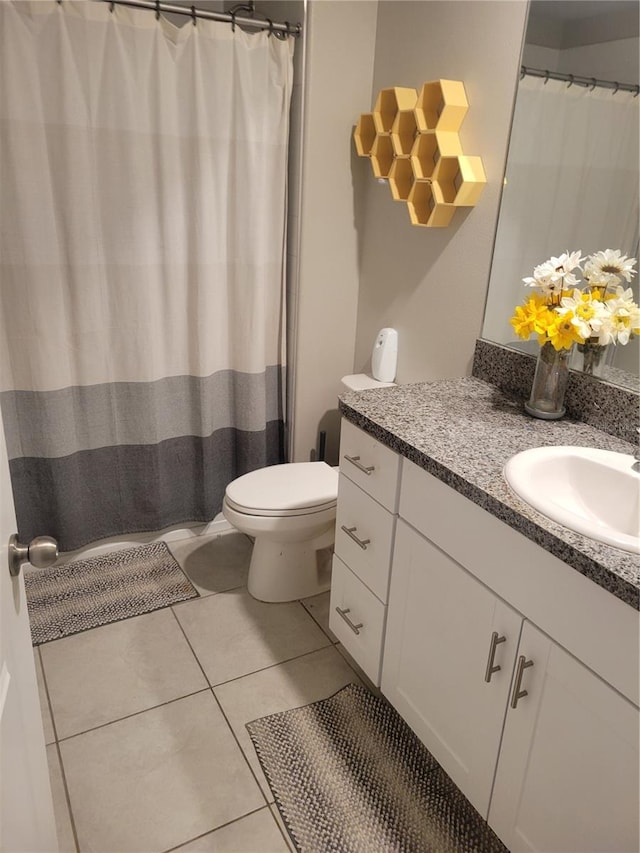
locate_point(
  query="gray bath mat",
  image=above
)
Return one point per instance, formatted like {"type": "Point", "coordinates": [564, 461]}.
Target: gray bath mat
{"type": "Point", "coordinates": [349, 776]}
{"type": "Point", "coordinates": [67, 599]}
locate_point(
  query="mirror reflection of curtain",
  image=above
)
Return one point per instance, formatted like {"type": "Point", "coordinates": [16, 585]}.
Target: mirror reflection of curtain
{"type": "Point", "coordinates": [142, 246]}
{"type": "Point", "coordinates": [571, 183]}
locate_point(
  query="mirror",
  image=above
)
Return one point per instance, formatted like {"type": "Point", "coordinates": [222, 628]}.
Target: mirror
{"type": "Point", "coordinates": [571, 179]}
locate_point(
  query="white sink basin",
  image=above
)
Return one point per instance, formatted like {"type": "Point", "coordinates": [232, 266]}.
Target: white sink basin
{"type": "Point", "coordinates": [594, 492]}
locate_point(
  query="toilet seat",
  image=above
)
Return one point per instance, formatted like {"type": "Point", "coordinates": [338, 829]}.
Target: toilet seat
{"type": "Point", "coordinates": [295, 488]}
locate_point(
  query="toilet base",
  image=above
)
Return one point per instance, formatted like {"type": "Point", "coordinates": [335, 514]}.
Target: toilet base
{"type": "Point", "coordinates": [287, 571]}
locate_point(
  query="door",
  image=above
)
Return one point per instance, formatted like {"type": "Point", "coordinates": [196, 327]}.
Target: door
{"type": "Point", "coordinates": [439, 648]}
{"type": "Point", "coordinates": [567, 777]}
{"type": "Point", "coordinates": [26, 808]}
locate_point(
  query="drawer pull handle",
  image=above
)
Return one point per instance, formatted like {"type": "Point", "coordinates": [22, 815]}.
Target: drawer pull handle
{"type": "Point", "coordinates": [491, 668]}
{"type": "Point", "coordinates": [350, 533]}
{"type": "Point", "coordinates": [523, 664]}
{"type": "Point", "coordinates": [355, 460]}
{"type": "Point", "coordinates": [343, 613]}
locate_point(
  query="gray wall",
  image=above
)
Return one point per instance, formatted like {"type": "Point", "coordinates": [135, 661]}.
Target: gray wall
{"type": "Point", "coordinates": [339, 67]}
{"type": "Point", "coordinates": [430, 284]}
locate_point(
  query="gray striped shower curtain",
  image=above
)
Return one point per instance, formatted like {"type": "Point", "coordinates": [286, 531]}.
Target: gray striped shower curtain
{"type": "Point", "coordinates": [142, 222]}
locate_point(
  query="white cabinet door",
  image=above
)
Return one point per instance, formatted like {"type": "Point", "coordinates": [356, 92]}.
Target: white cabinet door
{"type": "Point", "coordinates": [440, 626]}
{"type": "Point", "coordinates": [567, 778]}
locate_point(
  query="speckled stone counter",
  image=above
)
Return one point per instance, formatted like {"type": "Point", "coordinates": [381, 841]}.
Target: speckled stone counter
{"type": "Point", "coordinates": [463, 431]}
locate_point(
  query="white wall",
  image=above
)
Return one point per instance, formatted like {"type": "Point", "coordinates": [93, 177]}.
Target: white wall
{"type": "Point", "coordinates": [340, 48]}
{"type": "Point", "coordinates": [431, 284]}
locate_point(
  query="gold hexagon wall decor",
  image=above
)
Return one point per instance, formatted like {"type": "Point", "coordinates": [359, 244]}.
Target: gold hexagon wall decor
{"type": "Point", "coordinates": [461, 179]}
{"type": "Point", "coordinates": [364, 135]}
{"type": "Point", "coordinates": [381, 155]}
{"type": "Point", "coordinates": [441, 105]}
{"type": "Point", "coordinates": [388, 102]}
{"type": "Point", "coordinates": [401, 178]}
{"type": "Point", "coordinates": [427, 206]}
{"type": "Point", "coordinates": [412, 140]}
{"type": "Point", "coordinates": [403, 132]}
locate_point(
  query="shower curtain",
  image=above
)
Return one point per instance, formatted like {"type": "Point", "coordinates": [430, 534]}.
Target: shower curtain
{"type": "Point", "coordinates": [142, 217]}
{"type": "Point", "coordinates": [571, 183]}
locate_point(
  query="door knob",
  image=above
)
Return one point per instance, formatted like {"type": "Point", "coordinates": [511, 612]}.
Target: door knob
{"type": "Point", "coordinates": [40, 552]}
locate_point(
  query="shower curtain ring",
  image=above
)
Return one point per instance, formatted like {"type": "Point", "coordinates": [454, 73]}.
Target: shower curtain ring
{"type": "Point", "coordinates": [546, 77]}
{"type": "Point", "coordinates": [523, 71]}
{"type": "Point", "coordinates": [193, 15]}
{"type": "Point", "coordinates": [593, 84]}
{"type": "Point", "coordinates": [270, 22]}
{"type": "Point", "coordinates": [233, 21]}
{"type": "Point", "coordinates": [283, 34]}
{"type": "Point", "coordinates": [570, 83]}
{"type": "Point", "coordinates": [616, 88]}
{"type": "Point", "coordinates": [157, 10]}
{"type": "Point", "coordinates": [637, 92]}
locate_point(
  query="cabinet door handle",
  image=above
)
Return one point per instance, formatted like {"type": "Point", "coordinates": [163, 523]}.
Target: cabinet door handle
{"type": "Point", "coordinates": [361, 542]}
{"type": "Point", "coordinates": [495, 641]}
{"type": "Point", "coordinates": [523, 664]}
{"type": "Point", "coordinates": [343, 613]}
{"type": "Point", "coordinates": [355, 460]}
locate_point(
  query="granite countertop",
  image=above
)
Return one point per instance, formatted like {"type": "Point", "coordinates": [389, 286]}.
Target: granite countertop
{"type": "Point", "coordinates": [463, 431]}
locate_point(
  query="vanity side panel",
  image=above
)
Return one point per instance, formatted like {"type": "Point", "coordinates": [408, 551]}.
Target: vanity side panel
{"type": "Point", "coordinates": [585, 619]}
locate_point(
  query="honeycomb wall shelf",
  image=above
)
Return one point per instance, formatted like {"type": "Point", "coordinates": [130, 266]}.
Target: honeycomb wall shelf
{"type": "Point", "coordinates": [381, 155]}
{"type": "Point", "coordinates": [401, 178]}
{"type": "Point", "coordinates": [364, 135]}
{"type": "Point", "coordinates": [411, 139]}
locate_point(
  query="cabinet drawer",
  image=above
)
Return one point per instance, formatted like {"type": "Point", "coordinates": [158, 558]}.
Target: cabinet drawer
{"type": "Point", "coordinates": [360, 606]}
{"type": "Point", "coordinates": [362, 520]}
{"type": "Point", "coordinates": [370, 465]}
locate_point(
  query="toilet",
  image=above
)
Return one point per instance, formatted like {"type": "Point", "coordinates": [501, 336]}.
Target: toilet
{"type": "Point", "coordinates": [290, 510]}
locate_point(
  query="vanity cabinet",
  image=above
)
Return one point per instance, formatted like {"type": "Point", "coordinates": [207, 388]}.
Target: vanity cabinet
{"type": "Point", "coordinates": [457, 658]}
{"type": "Point", "coordinates": [445, 631]}
{"type": "Point", "coordinates": [541, 744]}
{"type": "Point", "coordinates": [365, 529]}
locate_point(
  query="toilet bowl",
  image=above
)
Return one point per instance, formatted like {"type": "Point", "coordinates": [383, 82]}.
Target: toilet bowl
{"type": "Point", "coordinates": [290, 509]}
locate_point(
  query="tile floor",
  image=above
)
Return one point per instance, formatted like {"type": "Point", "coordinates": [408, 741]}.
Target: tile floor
{"type": "Point", "coordinates": [145, 719]}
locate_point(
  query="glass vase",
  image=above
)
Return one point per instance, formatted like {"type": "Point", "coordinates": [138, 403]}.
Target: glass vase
{"type": "Point", "coordinates": [591, 357]}
{"type": "Point", "coordinates": [549, 383]}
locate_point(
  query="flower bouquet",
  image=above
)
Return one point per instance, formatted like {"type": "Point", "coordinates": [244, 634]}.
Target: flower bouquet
{"type": "Point", "coordinates": [562, 314]}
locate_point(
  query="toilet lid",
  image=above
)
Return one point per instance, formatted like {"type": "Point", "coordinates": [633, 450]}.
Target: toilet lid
{"type": "Point", "coordinates": [291, 489]}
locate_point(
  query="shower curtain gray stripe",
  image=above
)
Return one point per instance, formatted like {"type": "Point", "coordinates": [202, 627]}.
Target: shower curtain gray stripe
{"type": "Point", "coordinates": [124, 489]}
{"type": "Point", "coordinates": [58, 423]}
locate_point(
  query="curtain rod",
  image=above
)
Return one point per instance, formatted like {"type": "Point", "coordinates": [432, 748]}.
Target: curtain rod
{"type": "Point", "coordinates": [579, 80]}
{"type": "Point", "coordinates": [281, 30]}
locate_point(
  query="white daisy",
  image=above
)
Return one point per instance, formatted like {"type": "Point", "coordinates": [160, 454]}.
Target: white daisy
{"type": "Point", "coordinates": [622, 319]}
{"type": "Point", "coordinates": [556, 274]}
{"type": "Point", "coordinates": [588, 313]}
{"type": "Point", "coordinates": [608, 267]}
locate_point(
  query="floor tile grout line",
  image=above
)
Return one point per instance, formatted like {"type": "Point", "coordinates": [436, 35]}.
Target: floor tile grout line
{"type": "Point", "coordinates": [135, 714]}
{"type": "Point", "coordinates": [319, 624]}
{"type": "Point", "coordinates": [67, 795]}
{"type": "Point", "coordinates": [271, 666]}
{"type": "Point", "coordinates": [47, 694]}
{"type": "Point", "coordinates": [222, 826]}
{"type": "Point", "coordinates": [224, 716]}
{"type": "Point", "coordinates": [56, 743]}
